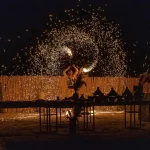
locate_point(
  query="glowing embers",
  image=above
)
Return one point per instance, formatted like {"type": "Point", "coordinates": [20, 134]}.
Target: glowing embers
{"type": "Point", "coordinates": [67, 50]}
{"type": "Point", "coordinates": [88, 69]}
{"type": "Point", "coordinates": [87, 40]}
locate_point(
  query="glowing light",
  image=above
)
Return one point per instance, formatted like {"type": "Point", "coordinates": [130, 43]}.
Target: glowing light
{"type": "Point", "coordinates": [92, 112]}
{"type": "Point", "coordinates": [67, 113]}
{"type": "Point", "coordinates": [87, 69]}
{"type": "Point", "coordinates": [90, 68]}
{"type": "Point", "coordinates": [89, 40]}
{"type": "Point", "coordinates": [67, 50]}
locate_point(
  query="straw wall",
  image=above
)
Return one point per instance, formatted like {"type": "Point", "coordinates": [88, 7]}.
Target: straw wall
{"type": "Point", "coordinates": [32, 87]}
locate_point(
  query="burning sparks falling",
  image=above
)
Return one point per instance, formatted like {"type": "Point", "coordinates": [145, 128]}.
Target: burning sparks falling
{"type": "Point", "coordinates": [80, 36]}
{"type": "Point", "coordinates": [62, 43]}
{"type": "Point", "coordinates": [84, 38]}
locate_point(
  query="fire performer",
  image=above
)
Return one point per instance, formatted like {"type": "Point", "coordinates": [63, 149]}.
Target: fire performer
{"type": "Point", "coordinates": [70, 75]}
{"type": "Point", "coordinates": [70, 78]}
{"type": "Point", "coordinates": [74, 79]}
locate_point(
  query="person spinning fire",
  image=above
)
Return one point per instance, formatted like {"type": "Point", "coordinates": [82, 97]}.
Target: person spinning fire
{"type": "Point", "coordinates": [70, 75]}
{"type": "Point", "coordinates": [74, 79]}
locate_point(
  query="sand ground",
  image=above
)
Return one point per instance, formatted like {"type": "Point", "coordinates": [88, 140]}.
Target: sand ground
{"type": "Point", "coordinates": [20, 131]}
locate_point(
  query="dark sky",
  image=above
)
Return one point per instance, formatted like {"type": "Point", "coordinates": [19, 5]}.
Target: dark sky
{"type": "Point", "coordinates": [16, 16]}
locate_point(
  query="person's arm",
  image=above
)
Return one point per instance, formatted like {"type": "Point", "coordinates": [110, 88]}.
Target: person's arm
{"type": "Point", "coordinates": [76, 70]}
{"type": "Point", "coordinates": [64, 72]}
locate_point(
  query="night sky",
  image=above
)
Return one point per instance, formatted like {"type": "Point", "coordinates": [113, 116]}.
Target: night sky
{"type": "Point", "coordinates": [21, 21]}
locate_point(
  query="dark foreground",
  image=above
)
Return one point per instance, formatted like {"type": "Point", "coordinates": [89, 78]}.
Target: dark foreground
{"type": "Point", "coordinates": [81, 142]}
{"type": "Point", "coordinates": [22, 133]}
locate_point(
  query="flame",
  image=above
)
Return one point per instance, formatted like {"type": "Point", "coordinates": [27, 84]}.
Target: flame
{"type": "Point", "coordinates": [67, 50]}
{"type": "Point", "coordinates": [67, 113]}
{"type": "Point", "coordinates": [90, 68]}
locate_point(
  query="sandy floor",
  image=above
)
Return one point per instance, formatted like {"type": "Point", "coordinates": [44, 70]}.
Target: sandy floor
{"type": "Point", "coordinates": [21, 131]}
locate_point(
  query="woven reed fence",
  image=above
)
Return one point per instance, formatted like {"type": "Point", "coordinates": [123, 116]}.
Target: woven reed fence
{"type": "Point", "coordinates": [30, 87]}
{"type": "Point", "coordinates": [14, 88]}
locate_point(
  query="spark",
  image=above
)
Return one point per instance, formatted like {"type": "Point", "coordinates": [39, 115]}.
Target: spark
{"type": "Point", "coordinates": [67, 50]}
{"type": "Point", "coordinates": [92, 40]}
{"type": "Point", "coordinates": [85, 36]}
{"type": "Point", "coordinates": [90, 68]}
